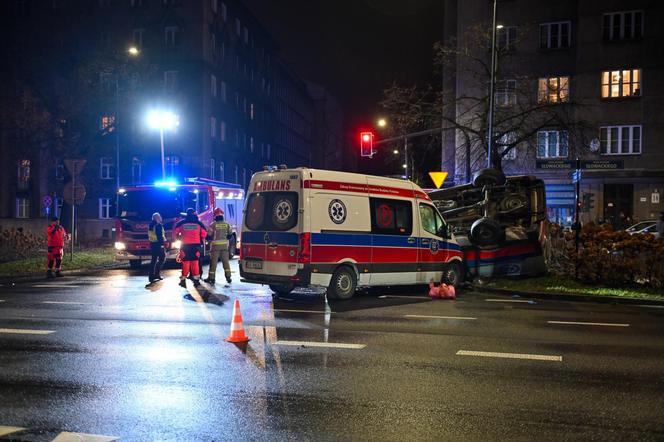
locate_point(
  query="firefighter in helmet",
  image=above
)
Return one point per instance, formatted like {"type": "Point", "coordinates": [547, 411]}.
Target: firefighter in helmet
{"type": "Point", "coordinates": [191, 232]}
{"type": "Point", "coordinates": [219, 233]}
{"type": "Point", "coordinates": [55, 235]}
{"type": "Point", "coordinates": [157, 238]}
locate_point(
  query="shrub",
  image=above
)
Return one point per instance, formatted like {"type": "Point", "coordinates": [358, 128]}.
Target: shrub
{"type": "Point", "coordinates": [16, 244]}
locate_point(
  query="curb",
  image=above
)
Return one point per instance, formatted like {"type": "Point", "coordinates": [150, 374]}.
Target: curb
{"type": "Point", "coordinates": [569, 297]}
{"type": "Point", "coordinates": [76, 272]}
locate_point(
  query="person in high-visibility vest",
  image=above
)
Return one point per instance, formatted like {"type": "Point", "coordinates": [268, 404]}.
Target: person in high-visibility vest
{"type": "Point", "coordinates": [192, 233]}
{"type": "Point", "coordinates": [157, 238]}
{"type": "Point", "coordinates": [55, 235]}
{"type": "Point", "coordinates": [219, 233]}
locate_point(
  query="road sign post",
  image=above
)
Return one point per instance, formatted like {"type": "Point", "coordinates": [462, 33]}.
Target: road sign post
{"type": "Point", "coordinates": [577, 226]}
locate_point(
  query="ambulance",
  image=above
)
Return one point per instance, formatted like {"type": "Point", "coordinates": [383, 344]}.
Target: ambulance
{"type": "Point", "coordinates": [306, 227]}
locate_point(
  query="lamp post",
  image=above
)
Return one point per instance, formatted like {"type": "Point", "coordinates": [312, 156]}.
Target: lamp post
{"type": "Point", "coordinates": [163, 120]}
{"type": "Point", "coordinates": [492, 86]}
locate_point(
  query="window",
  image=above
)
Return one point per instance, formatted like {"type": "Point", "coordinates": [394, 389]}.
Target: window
{"type": "Point", "coordinates": [553, 90]}
{"type": "Point", "coordinates": [507, 141]}
{"type": "Point", "coordinates": [222, 172]}
{"type": "Point", "coordinates": [625, 25]}
{"type": "Point", "coordinates": [624, 83]}
{"type": "Point", "coordinates": [552, 144]}
{"type": "Point", "coordinates": [106, 83]}
{"type": "Point", "coordinates": [136, 170]}
{"type": "Point", "coordinates": [60, 172]}
{"type": "Point", "coordinates": [224, 11]}
{"type": "Point", "coordinates": [237, 181]}
{"type": "Point", "coordinates": [213, 5]}
{"type": "Point", "coordinates": [238, 27]}
{"type": "Point", "coordinates": [57, 206]}
{"type": "Point", "coordinates": [222, 131]}
{"type": "Point", "coordinates": [506, 93]}
{"type": "Point", "coordinates": [106, 168]}
{"type": "Point", "coordinates": [251, 144]}
{"type": "Point", "coordinates": [213, 168]}
{"type": "Point", "coordinates": [391, 217]}
{"type": "Point", "coordinates": [431, 220]}
{"type": "Point", "coordinates": [506, 37]}
{"type": "Point", "coordinates": [170, 80]}
{"type": "Point", "coordinates": [267, 154]}
{"type": "Point", "coordinates": [620, 140]}
{"type": "Point", "coordinates": [252, 111]}
{"type": "Point", "coordinates": [172, 164]}
{"type": "Point", "coordinates": [137, 37]}
{"type": "Point", "coordinates": [107, 122]}
{"type": "Point", "coordinates": [244, 177]}
{"type": "Point", "coordinates": [213, 43]}
{"type": "Point", "coordinates": [136, 3]}
{"type": "Point", "coordinates": [555, 35]}
{"type": "Point", "coordinates": [22, 208]}
{"type": "Point", "coordinates": [213, 127]}
{"type": "Point", "coordinates": [213, 85]}
{"type": "Point", "coordinates": [272, 211]}
{"type": "Point", "coordinates": [246, 35]}
{"type": "Point", "coordinates": [237, 138]}
{"type": "Point", "coordinates": [223, 90]}
{"type": "Point", "coordinates": [24, 174]}
{"type": "Point", "coordinates": [104, 208]}
{"type": "Point", "coordinates": [171, 35]}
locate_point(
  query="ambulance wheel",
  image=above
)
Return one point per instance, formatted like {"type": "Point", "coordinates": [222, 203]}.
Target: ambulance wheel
{"type": "Point", "coordinates": [342, 284]}
{"type": "Point", "coordinates": [135, 263]}
{"type": "Point", "coordinates": [232, 247]}
{"type": "Point", "coordinates": [486, 232]}
{"type": "Point", "coordinates": [453, 274]}
{"type": "Point", "coordinates": [281, 290]}
{"type": "Point", "coordinates": [488, 177]}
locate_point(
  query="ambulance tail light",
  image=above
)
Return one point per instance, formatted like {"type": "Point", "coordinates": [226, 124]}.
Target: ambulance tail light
{"type": "Point", "coordinates": [304, 255]}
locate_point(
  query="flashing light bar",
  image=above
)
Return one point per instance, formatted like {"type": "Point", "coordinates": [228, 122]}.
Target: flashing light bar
{"type": "Point", "coordinates": [169, 183]}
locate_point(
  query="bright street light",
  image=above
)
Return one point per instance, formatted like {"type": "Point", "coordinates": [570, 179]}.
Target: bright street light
{"type": "Point", "coordinates": [382, 122]}
{"type": "Point", "coordinates": [396, 152]}
{"type": "Point", "coordinates": [163, 120]}
{"type": "Point", "coordinates": [499, 26]}
{"type": "Point", "coordinates": [133, 50]}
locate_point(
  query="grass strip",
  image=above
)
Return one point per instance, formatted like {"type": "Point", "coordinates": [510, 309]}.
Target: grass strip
{"type": "Point", "coordinates": [85, 258]}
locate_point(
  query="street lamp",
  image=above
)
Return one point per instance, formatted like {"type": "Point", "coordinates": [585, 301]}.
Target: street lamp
{"type": "Point", "coordinates": [163, 120]}
{"type": "Point", "coordinates": [492, 86]}
{"type": "Point", "coordinates": [382, 123]}
{"type": "Point", "coordinates": [133, 50]}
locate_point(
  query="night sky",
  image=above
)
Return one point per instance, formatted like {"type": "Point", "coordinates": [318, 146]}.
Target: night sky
{"type": "Point", "coordinates": [355, 47]}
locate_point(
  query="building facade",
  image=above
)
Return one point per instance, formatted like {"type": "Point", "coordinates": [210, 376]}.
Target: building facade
{"type": "Point", "coordinates": [606, 57]}
{"type": "Point", "coordinates": [208, 61]}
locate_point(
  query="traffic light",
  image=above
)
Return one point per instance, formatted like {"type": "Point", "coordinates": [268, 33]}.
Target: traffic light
{"type": "Point", "coordinates": [366, 144]}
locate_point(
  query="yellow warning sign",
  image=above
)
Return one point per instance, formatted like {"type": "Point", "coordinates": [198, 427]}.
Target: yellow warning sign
{"type": "Point", "coordinates": [438, 178]}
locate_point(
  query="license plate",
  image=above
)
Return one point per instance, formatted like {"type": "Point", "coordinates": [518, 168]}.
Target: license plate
{"type": "Point", "coordinates": [254, 265]}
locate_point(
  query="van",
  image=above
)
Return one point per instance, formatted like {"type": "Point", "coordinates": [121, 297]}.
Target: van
{"type": "Point", "coordinates": [306, 227]}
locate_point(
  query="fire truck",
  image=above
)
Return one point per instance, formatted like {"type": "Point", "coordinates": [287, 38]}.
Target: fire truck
{"type": "Point", "coordinates": [171, 200]}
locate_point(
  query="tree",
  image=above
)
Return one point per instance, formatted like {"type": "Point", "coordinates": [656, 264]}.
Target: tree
{"type": "Point", "coordinates": [524, 105]}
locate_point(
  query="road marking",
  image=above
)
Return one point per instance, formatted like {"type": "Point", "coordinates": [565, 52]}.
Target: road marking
{"type": "Point", "coordinates": [491, 354]}
{"type": "Point", "coordinates": [440, 317]}
{"type": "Point", "coordinates": [65, 302]}
{"type": "Point", "coordinates": [56, 286]}
{"type": "Point", "coordinates": [649, 306]}
{"type": "Point", "coordinates": [7, 430]}
{"type": "Point", "coordinates": [25, 331]}
{"type": "Point", "coordinates": [2, 300]}
{"type": "Point", "coordinates": [66, 436]}
{"type": "Point", "coordinates": [523, 301]}
{"type": "Point", "coordinates": [605, 324]}
{"type": "Point", "coordinates": [404, 297]}
{"type": "Point", "coordinates": [300, 311]}
{"type": "Point", "coordinates": [320, 344]}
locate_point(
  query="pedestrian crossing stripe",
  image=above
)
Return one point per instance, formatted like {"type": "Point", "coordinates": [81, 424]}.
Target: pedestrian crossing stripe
{"type": "Point", "coordinates": [63, 436]}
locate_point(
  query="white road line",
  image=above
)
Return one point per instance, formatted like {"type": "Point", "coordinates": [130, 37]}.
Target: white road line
{"type": "Point", "coordinates": [66, 436]}
{"type": "Point", "coordinates": [523, 301]}
{"type": "Point", "coordinates": [320, 344]}
{"type": "Point", "coordinates": [7, 430]}
{"type": "Point", "coordinates": [56, 286]}
{"type": "Point", "coordinates": [25, 331]}
{"type": "Point", "coordinates": [491, 354]}
{"type": "Point", "coordinates": [300, 311]}
{"type": "Point", "coordinates": [404, 297]}
{"type": "Point", "coordinates": [2, 300]}
{"type": "Point", "coordinates": [65, 302]}
{"type": "Point", "coordinates": [440, 317]}
{"type": "Point", "coordinates": [605, 324]}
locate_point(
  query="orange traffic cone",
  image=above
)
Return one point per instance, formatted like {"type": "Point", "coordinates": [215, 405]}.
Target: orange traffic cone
{"type": "Point", "coordinates": [237, 330]}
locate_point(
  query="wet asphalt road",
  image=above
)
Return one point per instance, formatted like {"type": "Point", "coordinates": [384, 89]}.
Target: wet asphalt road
{"type": "Point", "coordinates": [106, 356]}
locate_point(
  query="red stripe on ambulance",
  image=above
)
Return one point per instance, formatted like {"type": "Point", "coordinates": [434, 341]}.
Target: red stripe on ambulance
{"type": "Point", "coordinates": [363, 188]}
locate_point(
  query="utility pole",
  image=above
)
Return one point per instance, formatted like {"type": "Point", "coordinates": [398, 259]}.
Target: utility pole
{"type": "Point", "coordinates": [491, 87]}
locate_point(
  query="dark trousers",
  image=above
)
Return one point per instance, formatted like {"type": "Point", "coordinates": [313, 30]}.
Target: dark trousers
{"type": "Point", "coordinates": [158, 257]}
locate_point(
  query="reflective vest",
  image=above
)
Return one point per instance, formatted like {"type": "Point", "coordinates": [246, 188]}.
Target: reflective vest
{"type": "Point", "coordinates": [190, 231]}
{"type": "Point", "coordinates": [220, 232]}
{"type": "Point", "coordinates": [152, 233]}
{"type": "Point", "coordinates": [55, 235]}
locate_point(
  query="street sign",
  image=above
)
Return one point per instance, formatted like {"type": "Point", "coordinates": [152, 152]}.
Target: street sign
{"type": "Point", "coordinates": [576, 176]}
{"type": "Point", "coordinates": [47, 201]}
{"type": "Point", "coordinates": [74, 195]}
{"type": "Point", "coordinates": [74, 167]}
{"type": "Point", "coordinates": [602, 164]}
{"type": "Point", "coordinates": [555, 164]}
{"type": "Point", "coordinates": [438, 178]}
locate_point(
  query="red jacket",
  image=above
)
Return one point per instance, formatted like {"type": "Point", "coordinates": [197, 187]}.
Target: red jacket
{"type": "Point", "coordinates": [190, 230]}
{"type": "Point", "coordinates": [55, 235]}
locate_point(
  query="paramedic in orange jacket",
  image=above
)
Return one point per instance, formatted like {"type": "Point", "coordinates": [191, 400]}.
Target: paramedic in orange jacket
{"type": "Point", "coordinates": [55, 235]}
{"type": "Point", "coordinates": [192, 233]}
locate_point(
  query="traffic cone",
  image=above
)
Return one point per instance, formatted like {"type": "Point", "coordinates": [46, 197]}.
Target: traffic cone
{"type": "Point", "coordinates": [237, 330]}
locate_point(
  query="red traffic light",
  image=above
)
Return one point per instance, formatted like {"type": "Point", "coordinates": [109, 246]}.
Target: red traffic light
{"type": "Point", "coordinates": [366, 144]}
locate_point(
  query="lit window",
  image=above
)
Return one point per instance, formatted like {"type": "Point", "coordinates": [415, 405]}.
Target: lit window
{"type": "Point", "coordinates": [505, 93]}
{"type": "Point", "coordinates": [625, 25]}
{"type": "Point", "coordinates": [107, 122]}
{"type": "Point", "coordinates": [106, 168]}
{"type": "Point", "coordinates": [620, 140]}
{"type": "Point", "coordinates": [22, 208]}
{"type": "Point", "coordinates": [621, 83]}
{"type": "Point", "coordinates": [555, 35]}
{"type": "Point", "coordinates": [506, 37]}
{"type": "Point", "coordinates": [552, 144]}
{"type": "Point", "coordinates": [171, 35]}
{"type": "Point", "coordinates": [104, 208]}
{"type": "Point", "coordinates": [553, 90]}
